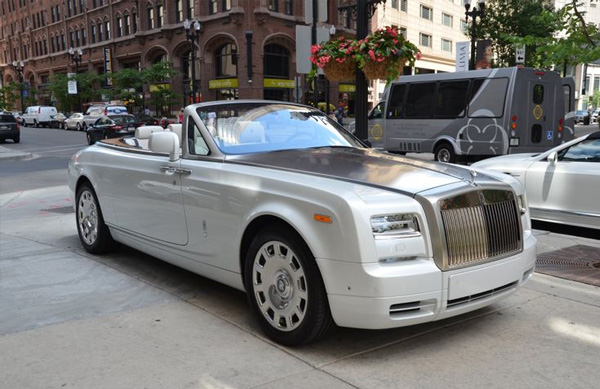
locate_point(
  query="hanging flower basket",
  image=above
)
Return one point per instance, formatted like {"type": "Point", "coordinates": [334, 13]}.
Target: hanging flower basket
{"type": "Point", "coordinates": [381, 70]}
{"type": "Point", "coordinates": [340, 71]}
{"type": "Point", "coordinates": [383, 54]}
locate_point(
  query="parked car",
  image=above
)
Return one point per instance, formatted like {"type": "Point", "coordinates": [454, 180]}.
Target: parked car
{"type": "Point", "coordinates": [279, 200]}
{"type": "Point", "coordinates": [582, 116]}
{"type": "Point", "coordinates": [9, 127]}
{"type": "Point", "coordinates": [111, 126]}
{"type": "Point", "coordinates": [561, 184]}
{"type": "Point", "coordinates": [74, 122]}
{"type": "Point", "coordinates": [56, 121]}
{"type": "Point", "coordinates": [18, 116]}
{"type": "Point", "coordinates": [94, 112]}
{"type": "Point", "coordinates": [38, 115]}
{"type": "Point", "coordinates": [595, 115]}
{"type": "Point", "coordinates": [148, 120]}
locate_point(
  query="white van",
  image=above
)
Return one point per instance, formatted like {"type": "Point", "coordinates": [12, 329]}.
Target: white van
{"type": "Point", "coordinates": [38, 115]}
{"type": "Point", "coordinates": [472, 115]}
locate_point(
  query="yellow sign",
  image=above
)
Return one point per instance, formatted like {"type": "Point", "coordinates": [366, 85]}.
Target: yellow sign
{"type": "Point", "coordinates": [278, 83]}
{"type": "Point", "coordinates": [537, 112]}
{"type": "Point", "coordinates": [158, 87]}
{"type": "Point", "coordinates": [223, 83]}
{"type": "Point", "coordinates": [376, 132]}
{"type": "Point", "coordinates": [347, 88]}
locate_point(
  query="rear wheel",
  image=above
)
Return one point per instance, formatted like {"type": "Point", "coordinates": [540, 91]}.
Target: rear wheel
{"type": "Point", "coordinates": [35, 124]}
{"type": "Point", "coordinates": [17, 139]}
{"type": "Point", "coordinates": [78, 126]}
{"type": "Point", "coordinates": [285, 288]}
{"type": "Point", "coordinates": [90, 139]}
{"type": "Point", "coordinates": [93, 233]}
{"type": "Point", "coordinates": [444, 152]}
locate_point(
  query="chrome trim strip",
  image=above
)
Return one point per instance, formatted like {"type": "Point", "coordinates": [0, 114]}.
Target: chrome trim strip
{"type": "Point", "coordinates": [557, 211]}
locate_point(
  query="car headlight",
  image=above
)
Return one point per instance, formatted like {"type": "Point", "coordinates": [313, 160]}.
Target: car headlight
{"type": "Point", "coordinates": [395, 226]}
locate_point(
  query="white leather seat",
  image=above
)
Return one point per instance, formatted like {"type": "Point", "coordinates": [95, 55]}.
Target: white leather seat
{"type": "Point", "coordinates": [176, 128]}
{"type": "Point", "coordinates": [142, 134]}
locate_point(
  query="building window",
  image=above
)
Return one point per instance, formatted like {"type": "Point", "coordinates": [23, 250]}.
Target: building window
{"type": "Point", "coordinates": [68, 8]}
{"type": "Point", "coordinates": [52, 14]}
{"type": "Point", "coordinates": [403, 5]}
{"type": "Point", "coordinates": [93, 33]}
{"type": "Point", "coordinates": [83, 37]}
{"type": "Point", "coordinates": [77, 40]}
{"type": "Point", "coordinates": [100, 32]}
{"type": "Point", "coordinates": [277, 61]}
{"type": "Point", "coordinates": [63, 41]}
{"type": "Point", "coordinates": [160, 15]}
{"type": "Point", "coordinates": [425, 39]}
{"type": "Point", "coordinates": [274, 5]}
{"type": "Point", "coordinates": [212, 7]}
{"type": "Point", "coordinates": [178, 11]}
{"type": "Point", "coordinates": [126, 24]}
{"type": "Point", "coordinates": [107, 29]}
{"type": "Point", "coordinates": [71, 39]}
{"type": "Point", "coordinates": [45, 47]}
{"type": "Point", "coordinates": [426, 12]}
{"type": "Point", "coordinates": [446, 45]}
{"type": "Point", "coordinates": [288, 7]}
{"type": "Point", "coordinates": [191, 12]}
{"type": "Point", "coordinates": [119, 27]}
{"type": "Point", "coordinates": [134, 19]}
{"type": "Point", "coordinates": [463, 26]}
{"type": "Point", "coordinates": [52, 45]}
{"type": "Point", "coordinates": [447, 20]}
{"type": "Point", "coordinates": [395, 4]}
{"type": "Point", "coordinates": [226, 5]}
{"type": "Point", "coordinates": [150, 15]}
{"type": "Point", "coordinates": [403, 32]}
{"type": "Point", "coordinates": [226, 60]}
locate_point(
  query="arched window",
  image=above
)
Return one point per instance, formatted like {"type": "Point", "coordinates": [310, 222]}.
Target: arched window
{"type": "Point", "coordinates": [277, 61]}
{"type": "Point", "coordinates": [150, 17]}
{"type": "Point", "coordinates": [126, 24]}
{"type": "Point", "coordinates": [226, 61]}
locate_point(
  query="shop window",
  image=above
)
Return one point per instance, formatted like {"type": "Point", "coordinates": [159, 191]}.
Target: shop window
{"type": "Point", "coordinates": [226, 61]}
{"type": "Point", "coordinates": [277, 61]}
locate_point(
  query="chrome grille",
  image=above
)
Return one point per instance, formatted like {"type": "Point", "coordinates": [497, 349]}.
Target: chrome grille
{"type": "Point", "coordinates": [480, 226]}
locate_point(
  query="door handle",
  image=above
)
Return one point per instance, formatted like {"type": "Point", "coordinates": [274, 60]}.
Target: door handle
{"type": "Point", "coordinates": [167, 169]}
{"type": "Point", "coordinates": [183, 171]}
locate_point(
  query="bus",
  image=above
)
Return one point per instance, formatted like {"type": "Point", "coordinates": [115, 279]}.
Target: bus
{"type": "Point", "coordinates": [468, 116]}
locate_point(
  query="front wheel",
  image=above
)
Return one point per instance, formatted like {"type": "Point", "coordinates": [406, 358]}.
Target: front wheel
{"type": "Point", "coordinates": [78, 126]}
{"type": "Point", "coordinates": [90, 138]}
{"type": "Point", "coordinates": [285, 288]}
{"type": "Point", "coordinates": [445, 153]}
{"type": "Point", "coordinates": [93, 233]}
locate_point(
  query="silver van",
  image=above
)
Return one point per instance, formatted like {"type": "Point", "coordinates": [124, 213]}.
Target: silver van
{"type": "Point", "coordinates": [468, 116]}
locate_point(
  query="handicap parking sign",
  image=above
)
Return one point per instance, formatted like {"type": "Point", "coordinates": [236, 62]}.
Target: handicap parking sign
{"type": "Point", "coordinates": [550, 135]}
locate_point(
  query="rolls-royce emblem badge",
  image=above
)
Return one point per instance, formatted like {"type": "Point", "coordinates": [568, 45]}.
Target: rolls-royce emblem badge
{"type": "Point", "coordinates": [473, 175]}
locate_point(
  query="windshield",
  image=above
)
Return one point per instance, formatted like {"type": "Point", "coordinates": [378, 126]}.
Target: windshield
{"type": "Point", "coordinates": [259, 127]}
{"type": "Point", "coordinates": [123, 119]}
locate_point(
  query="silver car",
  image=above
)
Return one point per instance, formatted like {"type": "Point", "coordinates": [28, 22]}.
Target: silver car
{"type": "Point", "coordinates": [74, 122]}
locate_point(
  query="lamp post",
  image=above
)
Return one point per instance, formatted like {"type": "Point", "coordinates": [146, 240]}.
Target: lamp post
{"type": "Point", "coordinates": [193, 36]}
{"type": "Point", "coordinates": [76, 57]}
{"type": "Point", "coordinates": [19, 66]}
{"type": "Point", "coordinates": [474, 13]}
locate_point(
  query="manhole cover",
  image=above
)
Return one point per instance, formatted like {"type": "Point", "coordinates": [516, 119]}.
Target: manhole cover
{"type": "Point", "coordinates": [576, 263]}
{"type": "Point", "coordinates": [65, 210]}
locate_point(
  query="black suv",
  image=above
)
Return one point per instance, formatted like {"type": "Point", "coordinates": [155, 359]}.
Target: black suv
{"type": "Point", "coordinates": [9, 128]}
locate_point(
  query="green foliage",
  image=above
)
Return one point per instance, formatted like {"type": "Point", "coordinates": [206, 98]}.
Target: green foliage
{"type": "Point", "coordinates": [9, 97]}
{"type": "Point", "coordinates": [506, 19]}
{"type": "Point", "coordinates": [88, 87]}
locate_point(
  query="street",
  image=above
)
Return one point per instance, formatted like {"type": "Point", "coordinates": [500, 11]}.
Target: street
{"type": "Point", "coordinates": [128, 320]}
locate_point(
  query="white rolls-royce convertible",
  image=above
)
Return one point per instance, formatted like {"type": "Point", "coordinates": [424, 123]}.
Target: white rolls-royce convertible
{"type": "Point", "coordinates": [279, 200]}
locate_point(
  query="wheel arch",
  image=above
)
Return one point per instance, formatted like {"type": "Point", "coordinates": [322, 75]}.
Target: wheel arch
{"type": "Point", "coordinates": [446, 139]}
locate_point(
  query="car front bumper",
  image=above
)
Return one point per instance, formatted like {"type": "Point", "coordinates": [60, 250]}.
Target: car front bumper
{"type": "Point", "coordinates": [375, 296]}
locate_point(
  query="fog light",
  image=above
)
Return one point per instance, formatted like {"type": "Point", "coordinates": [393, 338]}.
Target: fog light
{"type": "Point", "coordinates": [393, 260]}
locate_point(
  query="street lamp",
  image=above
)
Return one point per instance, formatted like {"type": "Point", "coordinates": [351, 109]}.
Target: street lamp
{"type": "Point", "coordinates": [193, 36]}
{"type": "Point", "coordinates": [474, 13]}
{"type": "Point", "coordinates": [76, 57]}
{"type": "Point", "coordinates": [19, 66]}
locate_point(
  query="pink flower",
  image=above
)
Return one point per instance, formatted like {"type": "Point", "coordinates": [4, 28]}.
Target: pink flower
{"type": "Point", "coordinates": [372, 54]}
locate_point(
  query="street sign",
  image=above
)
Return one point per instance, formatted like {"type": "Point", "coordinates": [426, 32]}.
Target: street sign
{"type": "Point", "coordinates": [520, 55]}
{"type": "Point", "coordinates": [72, 87]}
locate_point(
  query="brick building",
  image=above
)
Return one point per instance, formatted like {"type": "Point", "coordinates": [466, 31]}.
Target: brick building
{"type": "Point", "coordinates": [246, 48]}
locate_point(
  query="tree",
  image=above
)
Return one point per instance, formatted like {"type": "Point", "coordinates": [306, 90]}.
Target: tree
{"type": "Point", "coordinates": [128, 84]}
{"type": "Point", "coordinates": [9, 96]}
{"type": "Point", "coordinates": [158, 76]}
{"type": "Point", "coordinates": [578, 42]}
{"type": "Point", "coordinates": [506, 19]}
{"type": "Point", "coordinates": [87, 87]}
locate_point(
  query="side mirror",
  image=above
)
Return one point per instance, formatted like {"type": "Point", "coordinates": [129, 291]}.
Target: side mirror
{"type": "Point", "coordinates": [553, 157]}
{"type": "Point", "coordinates": [165, 142]}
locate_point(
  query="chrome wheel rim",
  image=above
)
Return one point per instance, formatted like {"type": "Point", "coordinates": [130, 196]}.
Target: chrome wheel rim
{"type": "Point", "coordinates": [280, 287]}
{"type": "Point", "coordinates": [87, 217]}
{"type": "Point", "coordinates": [443, 155]}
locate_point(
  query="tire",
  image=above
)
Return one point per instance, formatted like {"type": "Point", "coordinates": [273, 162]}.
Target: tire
{"type": "Point", "coordinates": [78, 126]}
{"type": "Point", "coordinates": [444, 152]}
{"type": "Point", "coordinates": [90, 139]}
{"type": "Point", "coordinates": [17, 139]}
{"type": "Point", "coordinates": [35, 124]}
{"type": "Point", "coordinates": [285, 289]}
{"type": "Point", "coordinates": [93, 233]}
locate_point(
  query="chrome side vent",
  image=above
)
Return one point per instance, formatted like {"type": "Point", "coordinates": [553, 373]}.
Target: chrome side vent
{"type": "Point", "coordinates": [413, 309]}
{"type": "Point", "coordinates": [480, 226]}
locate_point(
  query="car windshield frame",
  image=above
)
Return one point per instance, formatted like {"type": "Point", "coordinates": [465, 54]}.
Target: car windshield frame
{"type": "Point", "coordinates": [258, 127]}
